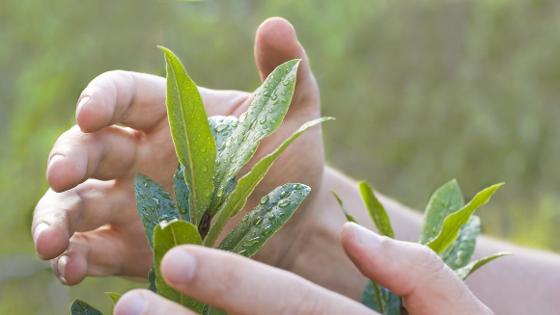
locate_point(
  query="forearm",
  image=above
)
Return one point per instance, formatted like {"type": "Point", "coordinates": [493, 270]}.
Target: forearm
{"type": "Point", "coordinates": [515, 284]}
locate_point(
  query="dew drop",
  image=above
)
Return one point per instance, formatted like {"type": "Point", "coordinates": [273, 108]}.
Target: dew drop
{"type": "Point", "coordinates": [264, 200]}
{"type": "Point", "coordinates": [283, 203]}
{"type": "Point", "coordinates": [221, 127]}
{"type": "Point", "coordinates": [283, 194]}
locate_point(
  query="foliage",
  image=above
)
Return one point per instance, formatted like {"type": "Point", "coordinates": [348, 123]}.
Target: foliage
{"type": "Point", "coordinates": [450, 229]}
{"type": "Point", "coordinates": [207, 202]}
{"type": "Point", "coordinates": [442, 88]}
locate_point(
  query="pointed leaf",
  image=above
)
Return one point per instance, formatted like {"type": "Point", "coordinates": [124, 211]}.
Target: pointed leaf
{"type": "Point", "coordinates": [465, 271]}
{"type": "Point", "coordinates": [263, 221]}
{"type": "Point", "coordinates": [152, 280]}
{"type": "Point", "coordinates": [80, 307]}
{"type": "Point", "coordinates": [264, 115]}
{"type": "Point", "coordinates": [453, 222]}
{"type": "Point", "coordinates": [166, 236]}
{"type": "Point", "coordinates": [347, 214]}
{"type": "Point", "coordinates": [182, 193]}
{"type": "Point", "coordinates": [376, 210]}
{"type": "Point", "coordinates": [154, 204]}
{"type": "Point", "coordinates": [245, 186]}
{"type": "Point", "coordinates": [445, 200]}
{"type": "Point", "coordinates": [390, 303]}
{"type": "Point", "coordinates": [461, 251]}
{"type": "Point", "coordinates": [194, 144]}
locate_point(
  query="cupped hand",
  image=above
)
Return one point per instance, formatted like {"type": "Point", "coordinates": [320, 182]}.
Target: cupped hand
{"type": "Point", "coordinates": [87, 224]}
{"type": "Point", "coordinates": [242, 286]}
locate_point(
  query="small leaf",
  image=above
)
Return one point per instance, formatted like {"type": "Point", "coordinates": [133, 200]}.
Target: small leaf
{"type": "Point", "coordinates": [264, 115]}
{"type": "Point", "coordinates": [391, 303]}
{"type": "Point", "coordinates": [347, 214]}
{"type": "Point", "coordinates": [181, 193]}
{"type": "Point", "coordinates": [376, 210]}
{"type": "Point", "coordinates": [246, 184]}
{"type": "Point", "coordinates": [263, 221]}
{"type": "Point", "coordinates": [114, 296]}
{"type": "Point", "coordinates": [453, 222]}
{"type": "Point", "coordinates": [465, 271]}
{"type": "Point", "coordinates": [80, 307]}
{"type": "Point", "coordinates": [194, 144]}
{"type": "Point", "coordinates": [167, 236]}
{"type": "Point", "coordinates": [154, 204]}
{"type": "Point", "coordinates": [461, 251]}
{"type": "Point", "coordinates": [445, 200]}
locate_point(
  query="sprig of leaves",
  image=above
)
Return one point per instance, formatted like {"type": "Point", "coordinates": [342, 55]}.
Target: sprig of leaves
{"type": "Point", "coordinates": [450, 229]}
{"type": "Point", "coordinates": [211, 152]}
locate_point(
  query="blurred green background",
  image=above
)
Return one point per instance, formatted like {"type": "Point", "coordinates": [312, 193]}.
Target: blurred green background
{"type": "Point", "coordinates": [424, 91]}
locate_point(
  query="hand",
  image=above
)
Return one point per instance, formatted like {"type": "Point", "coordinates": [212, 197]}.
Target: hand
{"type": "Point", "coordinates": [87, 224]}
{"type": "Point", "coordinates": [241, 286]}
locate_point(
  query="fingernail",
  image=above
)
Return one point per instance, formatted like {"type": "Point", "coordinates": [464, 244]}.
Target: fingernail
{"type": "Point", "coordinates": [364, 236]}
{"type": "Point", "coordinates": [83, 101]}
{"type": "Point", "coordinates": [40, 228]}
{"type": "Point", "coordinates": [61, 268]}
{"type": "Point", "coordinates": [54, 158]}
{"type": "Point", "coordinates": [179, 266]}
{"type": "Point", "coordinates": [132, 303]}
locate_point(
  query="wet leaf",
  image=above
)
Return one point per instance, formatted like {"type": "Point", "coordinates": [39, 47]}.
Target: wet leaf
{"type": "Point", "coordinates": [246, 184]}
{"type": "Point", "coordinates": [376, 210]}
{"type": "Point", "coordinates": [181, 193]}
{"type": "Point", "coordinates": [467, 270]}
{"type": "Point", "coordinates": [166, 236]}
{"type": "Point", "coordinates": [222, 128]}
{"type": "Point", "coordinates": [265, 219]}
{"type": "Point", "coordinates": [445, 200]}
{"type": "Point", "coordinates": [80, 307]}
{"type": "Point", "coordinates": [152, 280]}
{"type": "Point", "coordinates": [154, 204]}
{"type": "Point", "coordinates": [347, 214]}
{"type": "Point", "coordinates": [454, 221]}
{"type": "Point", "coordinates": [264, 115]}
{"type": "Point", "coordinates": [461, 251]}
{"type": "Point", "coordinates": [381, 299]}
{"type": "Point", "coordinates": [194, 144]}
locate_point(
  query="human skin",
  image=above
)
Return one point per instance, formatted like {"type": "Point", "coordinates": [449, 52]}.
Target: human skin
{"type": "Point", "coordinates": [89, 213]}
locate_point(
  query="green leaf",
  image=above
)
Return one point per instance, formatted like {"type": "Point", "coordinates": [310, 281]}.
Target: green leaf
{"type": "Point", "coordinates": [376, 210]}
{"type": "Point", "coordinates": [80, 307]}
{"type": "Point", "coordinates": [453, 222]}
{"type": "Point", "coordinates": [264, 115]}
{"type": "Point", "coordinates": [245, 186]}
{"type": "Point", "coordinates": [445, 200]}
{"type": "Point", "coordinates": [465, 271]}
{"type": "Point", "coordinates": [222, 128]}
{"type": "Point", "coordinates": [152, 280]}
{"type": "Point", "coordinates": [194, 144]}
{"type": "Point", "coordinates": [154, 204]}
{"type": "Point", "coordinates": [114, 296]}
{"type": "Point", "coordinates": [461, 251]}
{"type": "Point", "coordinates": [347, 214]}
{"type": "Point", "coordinates": [381, 299]}
{"type": "Point", "coordinates": [181, 193]}
{"type": "Point", "coordinates": [265, 219]}
{"type": "Point", "coordinates": [166, 236]}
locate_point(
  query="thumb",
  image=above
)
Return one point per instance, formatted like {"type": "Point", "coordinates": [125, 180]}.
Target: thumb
{"type": "Point", "coordinates": [276, 42]}
{"type": "Point", "coordinates": [410, 270]}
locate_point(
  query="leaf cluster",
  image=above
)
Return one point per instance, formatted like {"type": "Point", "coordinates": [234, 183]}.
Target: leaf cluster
{"type": "Point", "coordinates": [208, 189]}
{"type": "Point", "coordinates": [450, 229]}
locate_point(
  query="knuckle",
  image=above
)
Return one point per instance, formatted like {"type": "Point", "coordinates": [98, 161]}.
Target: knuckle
{"type": "Point", "coordinates": [428, 262]}
{"type": "Point", "coordinates": [306, 301]}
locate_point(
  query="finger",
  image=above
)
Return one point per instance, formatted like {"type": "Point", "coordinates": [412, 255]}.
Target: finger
{"type": "Point", "coordinates": [107, 154]}
{"type": "Point", "coordinates": [410, 270]}
{"type": "Point", "coordinates": [103, 252]}
{"type": "Point", "coordinates": [145, 302]}
{"type": "Point", "coordinates": [242, 286]}
{"type": "Point", "coordinates": [276, 42]}
{"type": "Point", "coordinates": [84, 208]}
{"type": "Point", "coordinates": [137, 100]}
